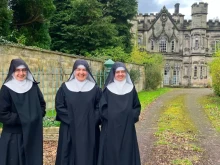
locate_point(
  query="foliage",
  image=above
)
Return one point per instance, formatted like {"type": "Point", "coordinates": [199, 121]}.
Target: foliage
{"type": "Point", "coordinates": [49, 119]}
{"type": "Point", "coordinates": [153, 66]}
{"type": "Point", "coordinates": [215, 72]}
{"type": "Point", "coordinates": [143, 57]}
{"type": "Point", "coordinates": [135, 75]}
{"type": "Point", "coordinates": [79, 27]}
{"type": "Point", "coordinates": [153, 76]}
{"type": "Point", "coordinates": [147, 97]}
{"type": "Point", "coordinates": [114, 53]}
{"type": "Point", "coordinates": [5, 18]}
{"type": "Point", "coordinates": [211, 106]}
{"type": "Point", "coordinates": [30, 23]}
{"type": "Point", "coordinates": [122, 11]}
{"type": "Point", "coordinates": [50, 122]}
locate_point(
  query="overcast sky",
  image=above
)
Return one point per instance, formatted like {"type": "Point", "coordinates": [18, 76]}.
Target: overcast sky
{"type": "Point", "coordinates": [154, 6]}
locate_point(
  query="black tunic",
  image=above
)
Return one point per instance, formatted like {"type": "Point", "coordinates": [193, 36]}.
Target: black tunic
{"type": "Point", "coordinates": [118, 141]}
{"type": "Point", "coordinates": [21, 142]}
{"type": "Point", "coordinates": [79, 129]}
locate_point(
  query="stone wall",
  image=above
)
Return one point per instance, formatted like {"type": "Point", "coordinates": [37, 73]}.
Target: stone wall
{"type": "Point", "coordinates": [47, 65]}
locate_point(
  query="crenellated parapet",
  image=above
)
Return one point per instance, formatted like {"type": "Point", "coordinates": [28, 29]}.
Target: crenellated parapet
{"type": "Point", "coordinates": [213, 25]}
{"type": "Point", "coordinates": [199, 8]}
{"type": "Point", "coordinates": [213, 22]}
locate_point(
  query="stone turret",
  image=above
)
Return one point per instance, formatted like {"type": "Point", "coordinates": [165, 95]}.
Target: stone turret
{"type": "Point", "coordinates": [199, 15]}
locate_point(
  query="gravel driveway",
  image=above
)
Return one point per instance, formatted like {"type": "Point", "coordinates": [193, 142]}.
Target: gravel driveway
{"type": "Point", "coordinates": [209, 139]}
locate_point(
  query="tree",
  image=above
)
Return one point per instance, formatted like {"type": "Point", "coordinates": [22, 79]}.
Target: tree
{"type": "Point", "coordinates": [79, 26]}
{"type": "Point", "coordinates": [5, 18]}
{"type": "Point", "coordinates": [31, 22]}
{"type": "Point", "coordinates": [122, 11]}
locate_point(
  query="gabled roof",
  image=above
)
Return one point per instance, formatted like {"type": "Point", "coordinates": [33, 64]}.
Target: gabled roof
{"type": "Point", "coordinates": [162, 12]}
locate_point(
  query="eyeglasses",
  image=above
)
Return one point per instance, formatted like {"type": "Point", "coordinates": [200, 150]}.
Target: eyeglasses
{"type": "Point", "coordinates": [21, 70]}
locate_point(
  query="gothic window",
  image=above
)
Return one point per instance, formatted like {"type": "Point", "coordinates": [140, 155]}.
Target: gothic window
{"type": "Point", "coordinates": [195, 71]}
{"type": "Point", "coordinates": [172, 46]}
{"type": "Point", "coordinates": [196, 43]}
{"type": "Point", "coordinates": [201, 72]}
{"type": "Point", "coordinates": [139, 41]}
{"type": "Point", "coordinates": [152, 45]}
{"type": "Point", "coordinates": [163, 45]}
{"type": "Point", "coordinates": [217, 45]}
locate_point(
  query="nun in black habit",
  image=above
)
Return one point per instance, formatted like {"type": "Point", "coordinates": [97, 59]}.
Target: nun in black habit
{"type": "Point", "coordinates": [120, 110]}
{"type": "Point", "coordinates": [77, 106]}
{"type": "Point", "coordinates": [22, 108]}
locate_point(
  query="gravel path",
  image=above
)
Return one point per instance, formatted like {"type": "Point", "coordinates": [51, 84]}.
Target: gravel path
{"type": "Point", "coordinates": [209, 139]}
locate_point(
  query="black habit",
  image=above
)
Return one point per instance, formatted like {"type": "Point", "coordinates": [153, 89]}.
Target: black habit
{"type": "Point", "coordinates": [21, 141]}
{"type": "Point", "coordinates": [119, 113]}
{"type": "Point", "coordinates": [79, 130]}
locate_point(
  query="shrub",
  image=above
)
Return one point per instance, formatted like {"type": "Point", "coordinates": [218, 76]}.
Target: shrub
{"type": "Point", "coordinates": [153, 76]}
{"type": "Point", "coordinates": [215, 72]}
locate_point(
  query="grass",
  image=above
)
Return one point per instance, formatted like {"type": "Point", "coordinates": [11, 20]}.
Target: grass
{"type": "Point", "coordinates": [211, 106]}
{"type": "Point", "coordinates": [176, 134]}
{"type": "Point", "coordinates": [49, 119]}
{"type": "Point", "coordinates": [147, 97]}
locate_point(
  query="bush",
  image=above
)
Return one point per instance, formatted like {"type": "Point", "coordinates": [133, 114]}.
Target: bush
{"type": "Point", "coordinates": [215, 72]}
{"type": "Point", "coordinates": [153, 76]}
{"type": "Point", "coordinates": [135, 75]}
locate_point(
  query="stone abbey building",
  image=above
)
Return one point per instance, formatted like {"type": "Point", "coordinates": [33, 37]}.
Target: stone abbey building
{"type": "Point", "coordinates": [187, 45]}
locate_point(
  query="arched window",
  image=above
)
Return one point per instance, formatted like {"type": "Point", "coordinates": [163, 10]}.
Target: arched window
{"type": "Point", "coordinates": [197, 43]}
{"type": "Point", "coordinates": [163, 45]}
{"type": "Point", "coordinates": [201, 72]}
{"type": "Point", "coordinates": [217, 45]}
{"type": "Point", "coordinates": [172, 46]}
{"type": "Point", "coordinates": [139, 41]}
{"type": "Point", "coordinates": [152, 45]}
{"type": "Point", "coordinates": [195, 71]}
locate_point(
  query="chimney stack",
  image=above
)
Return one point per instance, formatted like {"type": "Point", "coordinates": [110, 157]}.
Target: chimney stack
{"type": "Point", "coordinates": [176, 8]}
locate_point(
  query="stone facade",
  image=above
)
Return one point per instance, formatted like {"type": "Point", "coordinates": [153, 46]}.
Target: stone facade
{"type": "Point", "coordinates": [187, 45]}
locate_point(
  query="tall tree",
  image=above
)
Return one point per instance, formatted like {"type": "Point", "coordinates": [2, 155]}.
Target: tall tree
{"type": "Point", "coordinates": [5, 18]}
{"type": "Point", "coordinates": [31, 21]}
{"type": "Point", "coordinates": [79, 26]}
{"type": "Point", "coordinates": [122, 11]}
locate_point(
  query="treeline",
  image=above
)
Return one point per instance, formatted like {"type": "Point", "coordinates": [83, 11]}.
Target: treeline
{"type": "Point", "coordinates": [93, 28]}
{"type": "Point", "coordinates": [70, 26]}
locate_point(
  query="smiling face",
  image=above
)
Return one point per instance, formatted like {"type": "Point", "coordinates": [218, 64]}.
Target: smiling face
{"type": "Point", "coordinates": [120, 75]}
{"type": "Point", "coordinates": [20, 74]}
{"type": "Point", "coordinates": [81, 73]}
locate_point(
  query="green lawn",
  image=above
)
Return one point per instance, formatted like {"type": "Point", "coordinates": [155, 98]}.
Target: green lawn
{"type": "Point", "coordinates": [147, 97]}
{"type": "Point", "coordinates": [211, 106]}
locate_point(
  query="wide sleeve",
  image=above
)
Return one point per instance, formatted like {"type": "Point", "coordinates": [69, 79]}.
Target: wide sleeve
{"type": "Point", "coordinates": [42, 101]}
{"type": "Point", "coordinates": [103, 106]}
{"type": "Point", "coordinates": [97, 100]}
{"type": "Point", "coordinates": [6, 115]}
{"type": "Point", "coordinates": [136, 106]}
{"type": "Point", "coordinates": [61, 108]}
